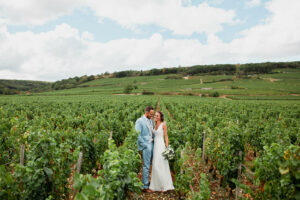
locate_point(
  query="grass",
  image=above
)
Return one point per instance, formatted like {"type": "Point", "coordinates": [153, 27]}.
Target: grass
{"type": "Point", "coordinates": [288, 83]}
{"type": "Point", "coordinates": [264, 97]}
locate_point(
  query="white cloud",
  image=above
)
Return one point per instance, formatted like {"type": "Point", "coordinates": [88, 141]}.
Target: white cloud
{"type": "Point", "coordinates": [87, 36]}
{"type": "Point", "coordinates": [35, 12]}
{"type": "Point", "coordinates": [65, 52]}
{"type": "Point", "coordinates": [253, 3]}
{"type": "Point", "coordinates": [179, 16]}
{"type": "Point", "coordinates": [277, 37]}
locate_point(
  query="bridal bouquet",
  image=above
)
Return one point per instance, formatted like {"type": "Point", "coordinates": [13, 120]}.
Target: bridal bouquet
{"type": "Point", "coordinates": [169, 153]}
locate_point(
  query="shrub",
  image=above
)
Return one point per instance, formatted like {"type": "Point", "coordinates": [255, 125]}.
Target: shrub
{"type": "Point", "coordinates": [236, 87]}
{"type": "Point", "coordinates": [174, 77]}
{"type": "Point", "coordinates": [214, 94]}
{"type": "Point", "coordinates": [128, 88]}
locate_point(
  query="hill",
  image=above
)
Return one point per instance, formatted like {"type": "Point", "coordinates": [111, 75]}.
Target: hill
{"type": "Point", "coordinates": [18, 86]}
{"type": "Point", "coordinates": [238, 70]}
{"type": "Point", "coordinates": [255, 81]}
{"type": "Point", "coordinates": [280, 84]}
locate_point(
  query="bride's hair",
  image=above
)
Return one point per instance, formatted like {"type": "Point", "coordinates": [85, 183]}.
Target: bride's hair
{"type": "Point", "coordinates": [161, 116]}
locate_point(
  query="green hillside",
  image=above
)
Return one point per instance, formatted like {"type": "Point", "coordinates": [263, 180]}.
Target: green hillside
{"type": "Point", "coordinates": [18, 86]}
{"type": "Point", "coordinates": [248, 81]}
{"type": "Point", "coordinates": [282, 82]}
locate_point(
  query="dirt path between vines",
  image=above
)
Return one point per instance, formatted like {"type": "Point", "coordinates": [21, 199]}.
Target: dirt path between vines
{"type": "Point", "coordinates": [169, 195]}
{"type": "Point", "coordinates": [224, 97]}
{"type": "Point", "coordinates": [271, 79]}
{"type": "Point", "coordinates": [158, 104]}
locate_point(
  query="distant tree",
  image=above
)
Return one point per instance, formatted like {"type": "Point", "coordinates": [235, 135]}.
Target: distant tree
{"type": "Point", "coordinates": [214, 94]}
{"type": "Point", "coordinates": [155, 71]}
{"type": "Point", "coordinates": [90, 78]}
{"type": "Point", "coordinates": [128, 88]}
{"type": "Point", "coordinates": [238, 72]}
{"type": "Point", "coordinates": [83, 79]}
{"type": "Point", "coordinates": [76, 78]}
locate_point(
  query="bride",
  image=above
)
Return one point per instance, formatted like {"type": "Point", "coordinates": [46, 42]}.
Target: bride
{"type": "Point", "coordinates": [161, 179]}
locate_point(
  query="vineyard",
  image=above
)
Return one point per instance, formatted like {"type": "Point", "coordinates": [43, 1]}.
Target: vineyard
{"type": "Point", "coordinates": [84, 147]}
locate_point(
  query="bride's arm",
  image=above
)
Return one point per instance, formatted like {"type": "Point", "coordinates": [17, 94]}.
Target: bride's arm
{"type": "Point", "coordinates": [166, 134]}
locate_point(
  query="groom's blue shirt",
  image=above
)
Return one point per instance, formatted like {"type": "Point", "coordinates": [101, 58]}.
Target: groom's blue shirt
{"type": "Point", "coordinates": [144, 138]}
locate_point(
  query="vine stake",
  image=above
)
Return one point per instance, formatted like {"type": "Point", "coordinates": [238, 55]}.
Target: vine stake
{"type": "Point", "coordinates": [203, 147]}
{"type": "Point", "coordinates": [22, 150]}
{"type": "Point", "coordinates": [237, 190]}
{"type": "Point", "coordinates": [79, 162]}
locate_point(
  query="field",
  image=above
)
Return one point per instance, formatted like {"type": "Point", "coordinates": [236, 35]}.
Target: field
{"type": "Point", "coordinates": [282, 82]}
{"type": "Point", "coordinates": [81, 143]}
{"type": "Point", "coordinates": [55, 129]}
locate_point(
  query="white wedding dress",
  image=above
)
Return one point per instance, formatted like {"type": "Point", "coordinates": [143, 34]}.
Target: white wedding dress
{"type": "Point", "coordinates": [161, 179]}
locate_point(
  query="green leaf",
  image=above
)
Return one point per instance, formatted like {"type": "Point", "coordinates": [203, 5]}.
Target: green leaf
{"type": "Point", "coordinates": [283, 171]}
{"type": "Point", "coordinates": [48, 171]}
{"type": "Point", "coordinates": [89, 190]}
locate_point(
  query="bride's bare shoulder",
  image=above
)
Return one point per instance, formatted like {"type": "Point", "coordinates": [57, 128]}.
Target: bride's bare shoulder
{"type": "Point", "coordinates": [164, 124]}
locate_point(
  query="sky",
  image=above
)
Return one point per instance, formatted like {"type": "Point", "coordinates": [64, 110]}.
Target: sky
{"type": "Point", "coordinates": [51, 40]}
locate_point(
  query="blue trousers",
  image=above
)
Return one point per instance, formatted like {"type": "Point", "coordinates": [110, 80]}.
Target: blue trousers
{"type": "Point", "coordinates": [147, 158]}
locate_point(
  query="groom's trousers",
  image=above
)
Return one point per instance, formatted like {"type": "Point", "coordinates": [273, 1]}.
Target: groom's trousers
{"type": "Point", "coordinates": [147, 157]}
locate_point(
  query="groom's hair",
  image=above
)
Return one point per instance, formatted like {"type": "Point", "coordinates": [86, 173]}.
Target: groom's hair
{"type": "Point", "coordinates": [148, 108]}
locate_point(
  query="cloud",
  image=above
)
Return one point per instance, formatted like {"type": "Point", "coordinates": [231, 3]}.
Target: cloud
{"type": "Point", "coordinates": [35, 12]}
{"type": "Point", "coordinates": [43, 56]}
{"type": "Point", "coordinates": [253, 3]}
{"type": "Point", "coordinates": [66, 52]}
{"type": "Point", "coordinates": [179, 16]}
{"type": "Point", "coordinates": [277, 37]}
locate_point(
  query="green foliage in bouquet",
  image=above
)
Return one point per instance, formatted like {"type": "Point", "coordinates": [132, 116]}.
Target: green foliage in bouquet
{"type": "Point", "coordinates": [169, 153]}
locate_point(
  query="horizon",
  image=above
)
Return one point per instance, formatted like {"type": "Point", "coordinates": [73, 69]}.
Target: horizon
{"type": "Point", "coordinates": [139, 70]}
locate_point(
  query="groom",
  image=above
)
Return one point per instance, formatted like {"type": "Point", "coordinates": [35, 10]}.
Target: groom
{"type": "Point", "coordinates": [144, 125]}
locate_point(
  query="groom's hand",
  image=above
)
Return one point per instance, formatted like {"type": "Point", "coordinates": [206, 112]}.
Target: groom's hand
{"type": "Point", "coordinates": [144, 145]}
{"type": "Point", "coordinates": [148, 146]}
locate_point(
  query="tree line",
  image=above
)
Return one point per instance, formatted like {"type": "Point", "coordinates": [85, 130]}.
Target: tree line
{"type": "Point", "coordinates": [228, 69]}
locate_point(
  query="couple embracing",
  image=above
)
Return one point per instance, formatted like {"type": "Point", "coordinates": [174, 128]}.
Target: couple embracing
{"type": "Point", "coordinates": [152, 141]}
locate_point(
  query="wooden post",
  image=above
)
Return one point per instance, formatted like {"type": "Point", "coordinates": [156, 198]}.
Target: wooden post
{"type": "Point", "coordinates": [110, 135]}
{"type": "Point", "coordinates": [203, 146]}
{"type": "Point", "coordinates": [78, 167]}
{"type": "Point", "coordinates": [181, 155]}
{"type": "Point", "coordinates": [22, 150]}
{"type": "Point", "coordinates": [237, 189]}
{"type": "Point", "coordinates": [79, 162]}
